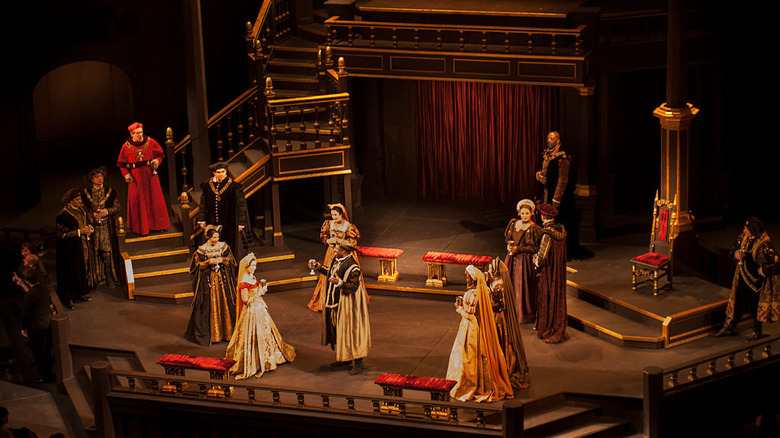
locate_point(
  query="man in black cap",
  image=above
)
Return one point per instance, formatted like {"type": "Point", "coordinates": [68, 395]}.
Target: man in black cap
{"type": "Point", "coordinates": [753, 290]}
{"type": "Point", "coordinates": [222, 202]}
{"type": "Point", "coordinates": [73, 249]}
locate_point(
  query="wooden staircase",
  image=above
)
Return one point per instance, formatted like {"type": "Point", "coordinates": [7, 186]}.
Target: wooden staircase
{"type": "Point", "coordinates": [565, 415]}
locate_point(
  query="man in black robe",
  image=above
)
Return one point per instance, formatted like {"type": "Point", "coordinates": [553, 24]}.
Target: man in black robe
{"type": "Point", "coordinates": [222, 202]}
{"type": "Point", "coordinates": [73, 231]}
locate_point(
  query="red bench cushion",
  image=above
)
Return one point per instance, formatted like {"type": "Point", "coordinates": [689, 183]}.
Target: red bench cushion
{"type": "Point", "coordinates": [414, 382]}
{"type": "Point", "coordinates": [460, 259]}
{"type": "Point", "coordinates": [651, 258]}
{"type": "Point", "coordinates": [387, 253]}
{"type": "Point", "coordinates": [196, 362]}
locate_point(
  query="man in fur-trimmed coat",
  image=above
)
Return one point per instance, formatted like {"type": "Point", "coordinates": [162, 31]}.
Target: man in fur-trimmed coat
{"type": "Point", "coordinates": [345, 324]}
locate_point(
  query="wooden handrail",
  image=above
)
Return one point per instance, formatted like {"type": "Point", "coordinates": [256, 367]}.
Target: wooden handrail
{"type": "Point", "coordinates": [388, 25]}
{"type": "Point", "coordinates": [246, 95]}
{"type": "Point", "coordinates": [260, 20]}
{"type": "Point", "coordinates": [323, 98]}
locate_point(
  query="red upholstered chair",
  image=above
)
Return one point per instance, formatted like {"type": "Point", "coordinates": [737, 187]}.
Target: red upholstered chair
{"type": "Point", "coordinates": [657, 262]}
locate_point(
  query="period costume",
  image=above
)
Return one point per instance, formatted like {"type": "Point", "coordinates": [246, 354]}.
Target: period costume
{"type": "Point", "coordinates": [214, 305]}
{"type": "Point", "coordinates": [477, 362]}
{"type": "Point", "coordinates": [223, 203]}
{"type": "Point", "coordinates": [345, 323]}
{"type": "Point", "coordinates": [551, 315]}
{"type": "Point", "coordinates": [558, 189]}
{"type": "Point", "coordinates": [73, 254]}
{"type": "Point", "coordinates": [755, 289]}
{"type": "Point", "coordinates": [146, 209]}
{"type": "Point", "coordinates": [104, 243]}
{"type": "Point", "coordinates": [332, 230]}
{"type": "Point", "coordinates": [525, 238]}
{"type": "Point", "coordinates": [256, 345]}
{"type": "Point", "coordinates": [507, 325]}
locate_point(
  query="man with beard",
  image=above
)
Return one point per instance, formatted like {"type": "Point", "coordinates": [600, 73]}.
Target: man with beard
{"type": "Point", "coordinates": [345, 324]}
{"type": "Point", "coordinates": [102, 205]}
{"type": "Point", "coordinates": [73, 231]}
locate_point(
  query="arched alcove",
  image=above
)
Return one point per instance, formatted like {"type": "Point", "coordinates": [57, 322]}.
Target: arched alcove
{"type": "Point", "coordinates": [80, 112]}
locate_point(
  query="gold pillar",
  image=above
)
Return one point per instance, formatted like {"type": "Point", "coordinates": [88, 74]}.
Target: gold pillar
{"type": "Point", "coordinates": [675, 155]}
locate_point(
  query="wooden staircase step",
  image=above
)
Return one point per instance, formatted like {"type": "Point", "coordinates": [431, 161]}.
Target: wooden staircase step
{"type": "Point", "coordinates": [612, 327]}
{"type": "Point", "coordinates": [316, 32]}
{"type": "Point", "coordinates": [154, 256]}
{"type": "Point", "coordinates": [597, 428]}
{"type": "Point", "coordinates": [295, 145]}
{"type": "Point", "coordinates": [179, 292]}
{"type": "Point", "coordinates": [558, 417]}
{"type": "Point", "coordinates": [291, 93]}
{"type": "Point", "coordinates": [296, 44]}
{"type": "Point", "coordinates": [154, 240]}
{"type": "Point", "coordinates": [254, 155]}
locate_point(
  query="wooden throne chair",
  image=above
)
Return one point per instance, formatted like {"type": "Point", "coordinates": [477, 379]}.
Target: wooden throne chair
{"type": "Point", "coordinates": [658, 261]}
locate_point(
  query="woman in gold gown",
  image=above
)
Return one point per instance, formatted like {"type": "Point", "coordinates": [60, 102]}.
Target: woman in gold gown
{"type": "Point", "coordinates": [256, 345]}
{"type": "Point", "coordinates": [476, 361]}
{"type": "Point", "coordinates": [337, 227]}
{"type": "Point", "coordinates": [214, 280]}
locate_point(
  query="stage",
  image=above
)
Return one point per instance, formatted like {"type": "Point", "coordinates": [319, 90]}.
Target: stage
{"type": "Point", "coordinates": [413, 327]}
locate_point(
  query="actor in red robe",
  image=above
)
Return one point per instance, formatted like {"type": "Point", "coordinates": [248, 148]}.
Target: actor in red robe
{"type": "Point", "coordinates": [138, 161]}
{"type": "Point", "coordinates": [551, 315]}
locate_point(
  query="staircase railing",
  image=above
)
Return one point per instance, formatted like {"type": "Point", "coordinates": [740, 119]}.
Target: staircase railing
{"type": "Point", "coordinates": [442, 37]}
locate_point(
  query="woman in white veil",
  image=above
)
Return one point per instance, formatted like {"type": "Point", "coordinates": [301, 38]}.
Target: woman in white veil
{"type": "Point", "coordinates": [256, 345]}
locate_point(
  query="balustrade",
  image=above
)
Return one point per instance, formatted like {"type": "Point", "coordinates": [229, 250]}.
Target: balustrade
{"type": "Point", "coordinates": [423, 36]}
{"type": "Point", "coordinates": [463, 415]}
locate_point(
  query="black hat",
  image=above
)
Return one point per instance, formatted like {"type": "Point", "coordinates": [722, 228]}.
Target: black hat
{"type": "Point", "coordinates": [218, 165]}
{"type": "Point", "coordinates": [755, 226]}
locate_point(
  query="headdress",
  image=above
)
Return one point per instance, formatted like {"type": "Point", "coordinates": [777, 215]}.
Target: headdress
{"type": "Point", "coordinates": [218, 165]}
{"type": "Point", "coordinates": [70, 195]}
{"type": "Point", "coordinates": [547, 210]}
{"type": "Point", "coordinates": [134, 126]}
{"type": "Point", "coordinates": [526, 203]}
{"type": "Point", "coordinates": [242, 265]}
{"type": "Point", "coordinates": [102, 170]}
{"type": "Point", "coordinates": [339, 206]}
{"type": "Point", "coordinates": [217, 228]}
{"type": "Point", "coordinates": [755, 226]}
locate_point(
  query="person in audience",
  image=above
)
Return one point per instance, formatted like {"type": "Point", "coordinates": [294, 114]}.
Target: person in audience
{"type": "Point", "coordinates": [522, 237]}
{"type": "Point", "coordinates": [256, 345]}
{"type": "Point", "coordinates": [337, 227]}
{"type": "Point", "coordinates": [73, 250]}
{"type": "Point", "coordinates": [138, 160]}
{"type": "Point", "coordinates": [36, 321]}
{"type": "Point", "coordinates": [477, 362]}
{"type": "Point", "coordinates": [214, 282]}
{"type": "Point", "coordinates": [345, 322]}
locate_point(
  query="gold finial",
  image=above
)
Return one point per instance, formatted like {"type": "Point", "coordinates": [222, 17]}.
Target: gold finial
{"type": "Point", "coordinates": [269, 87]}
{"type": "Point", "coordinates": [184, 198]}
{"type": "Point", "coordinates": [342, 66]}
{"type": "Point", "coordinates": [120, 226]}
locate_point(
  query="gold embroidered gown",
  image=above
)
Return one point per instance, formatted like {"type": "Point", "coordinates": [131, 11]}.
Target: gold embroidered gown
{"type": "Point", "coordinates": [213, 308]}
{"type": "Point", "coordinates": [476, 360]}
{"type": "Point", "coordinates": [330, 229]}
{"type": "Point", "coordinates": [256, 345]}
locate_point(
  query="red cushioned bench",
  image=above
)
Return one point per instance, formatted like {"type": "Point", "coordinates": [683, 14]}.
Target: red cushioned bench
{"type": "Point", "coordinates": [394, 385]}
{"type": "Point", "coordinates": [388, 269]}
{"type": "Point", "coordinates": [437, 261]}
{"type": "Point", "coordinates": [175, 364]}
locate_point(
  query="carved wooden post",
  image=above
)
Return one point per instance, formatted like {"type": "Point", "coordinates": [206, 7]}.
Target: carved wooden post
{"type": "Point", "coordinates": [512, 419]}
{"type": "Point", "coordinates": [269, 95]}
{"type": "Point", "coordinates": [654, 392]}
{"type": "Point", "coordinates": [169, 152]}
{"type": "Point", "coordinates": [101, 385]}
{"type": "Point", "coordinates": [186, 222]}
{"type": "Point", "coordinates": [63, 362]}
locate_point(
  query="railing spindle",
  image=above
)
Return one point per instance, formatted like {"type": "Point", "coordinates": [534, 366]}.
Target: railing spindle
{"type": "Point", "coordinates": [302, 130]}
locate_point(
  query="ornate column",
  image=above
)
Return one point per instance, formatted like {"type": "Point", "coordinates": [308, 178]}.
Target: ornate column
{"type": "Point", "coordinates": [675, 116]}
{"type": "Point", "coordinates": [675, 154]}
{"type": "Point", "coordinates": [585, 192]}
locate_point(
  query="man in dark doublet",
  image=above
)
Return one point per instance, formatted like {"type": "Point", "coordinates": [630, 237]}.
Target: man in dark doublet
{"type": "Point", "coordinates": [222, 202]}
{"type": "Point", "coordinates": [73, 231]}
{"type": "Point", "coordinates": [558, 184]}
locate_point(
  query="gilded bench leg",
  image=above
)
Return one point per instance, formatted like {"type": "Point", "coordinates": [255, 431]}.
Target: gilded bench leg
{"type": "Point", "coordinates": [388, 270]}
{"type": "Point", "coordinates": [437, 276]}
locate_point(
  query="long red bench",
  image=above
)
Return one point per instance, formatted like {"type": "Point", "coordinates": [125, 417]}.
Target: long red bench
{"type": "Point", "coordinates": [388, 268]}
{"type": "Point", "coordinates": [437, 261]}
{"type": "Point", "coordinates": [175, 364]}
{"type": "Point", "coordinates": [394, 384]}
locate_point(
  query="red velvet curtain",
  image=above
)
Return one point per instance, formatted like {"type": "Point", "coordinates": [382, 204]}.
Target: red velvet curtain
{"type": "Point", "coordinates": [482, 140]}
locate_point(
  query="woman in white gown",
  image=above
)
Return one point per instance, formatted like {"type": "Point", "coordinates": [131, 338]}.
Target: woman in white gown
{"type": "Point", "coordinates": [256, 345]}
